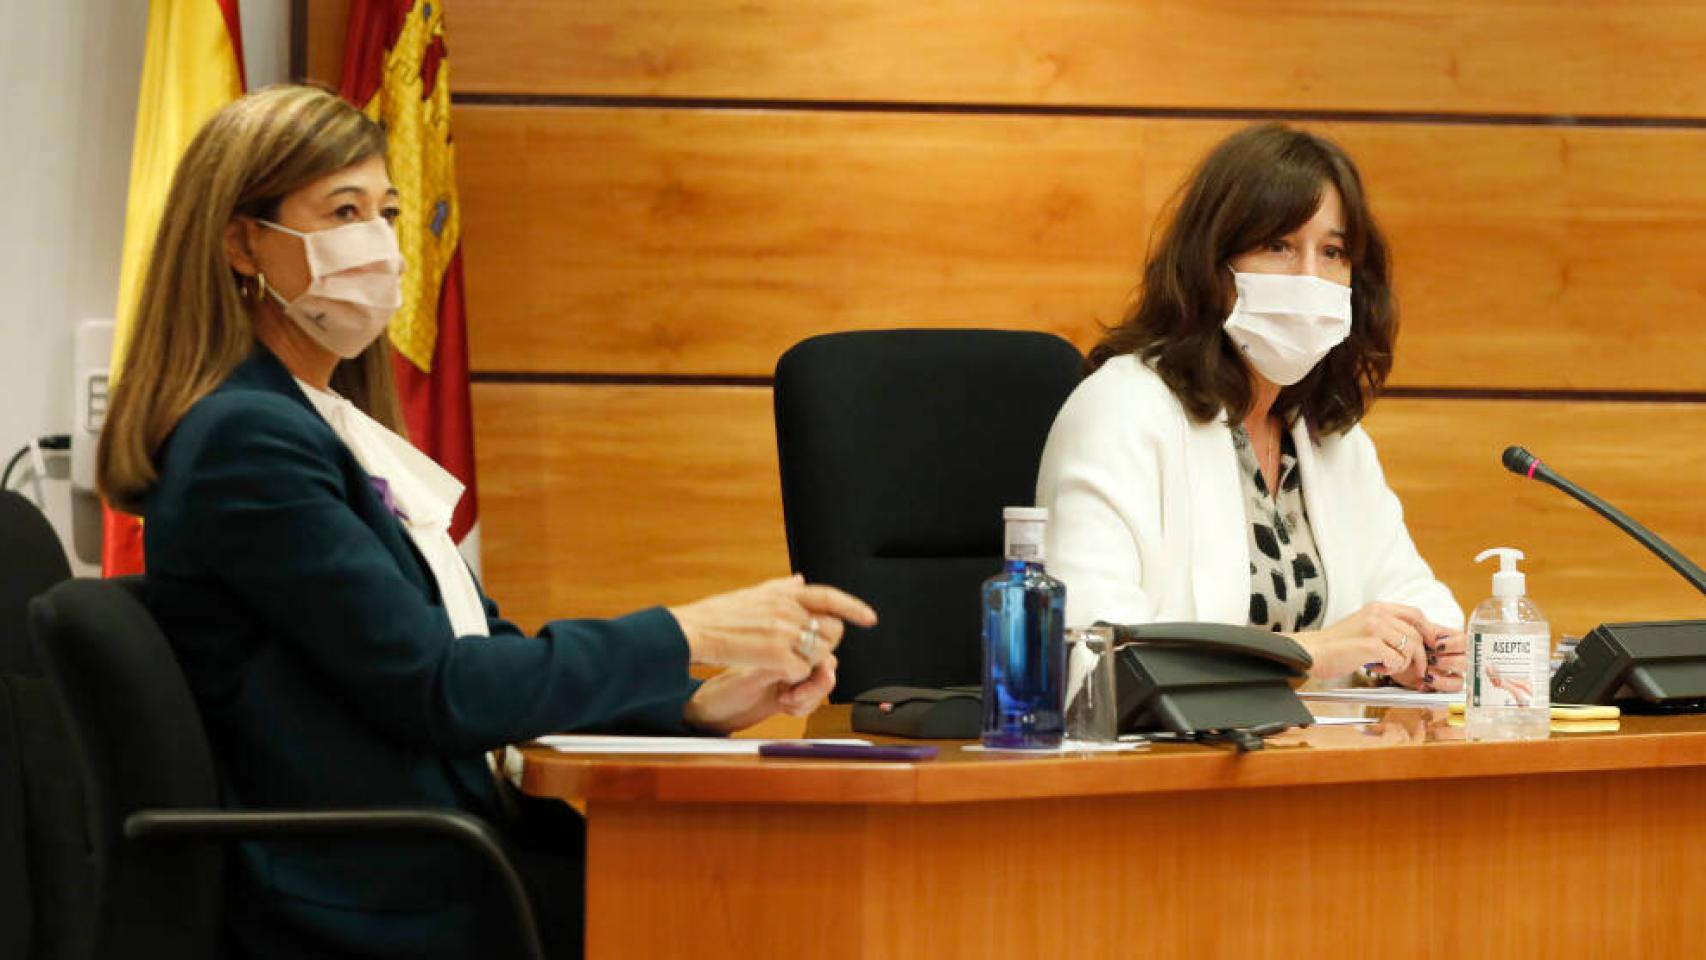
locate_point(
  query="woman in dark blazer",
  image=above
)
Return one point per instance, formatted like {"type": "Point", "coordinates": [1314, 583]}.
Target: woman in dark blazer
{"type": "Point", "coordinates": [299, 560]}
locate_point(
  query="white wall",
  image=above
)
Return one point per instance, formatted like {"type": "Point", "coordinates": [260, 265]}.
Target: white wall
{"type": "Point", "coordinates": [68, 83]}
{"type": "Point", "coordinates": [266, 41]}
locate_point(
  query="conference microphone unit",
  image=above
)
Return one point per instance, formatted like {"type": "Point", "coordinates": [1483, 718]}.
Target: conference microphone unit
{"type": "Point", "coordinates": [1652, 666]}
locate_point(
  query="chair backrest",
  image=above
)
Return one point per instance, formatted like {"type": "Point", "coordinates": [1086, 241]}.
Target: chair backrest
{"type": "Point", "coordinates": [31, 560]}
{"type": "Point", "coordinates": [17, 908]}
{"type": "Point", "coordinates": [140, 744]}
{"type": "Point", "coordinates": [41, 828]}
{"type": "Point", "coordinates": [898, 450]}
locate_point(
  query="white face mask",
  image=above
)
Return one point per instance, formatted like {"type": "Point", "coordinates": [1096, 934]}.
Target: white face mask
{"type": "Point", "coordinates": [1285, 323]}
{"type": "Point", "coordinates": [357, 284]}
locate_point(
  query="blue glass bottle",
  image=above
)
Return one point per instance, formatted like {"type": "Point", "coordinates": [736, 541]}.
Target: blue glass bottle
{"type": "Point", "coordinates": [1024, 649]}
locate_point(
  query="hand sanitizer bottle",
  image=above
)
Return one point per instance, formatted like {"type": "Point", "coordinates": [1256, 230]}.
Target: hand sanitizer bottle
{"type": "Point", "coordinates": [1507, 692]}
{"type": "Point", "coordinates": [1024, 650]}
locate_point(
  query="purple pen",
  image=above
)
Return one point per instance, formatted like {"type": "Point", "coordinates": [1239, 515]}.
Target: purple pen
{"type": "Point", "coordinates": [847, 751]}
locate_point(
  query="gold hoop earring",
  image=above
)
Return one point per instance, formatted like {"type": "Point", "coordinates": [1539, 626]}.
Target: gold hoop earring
{"type": "Point", "coordinates": [260, 287]}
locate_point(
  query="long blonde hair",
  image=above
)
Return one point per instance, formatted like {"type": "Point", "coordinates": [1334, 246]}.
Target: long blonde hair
{"type": "Point", "coordinates": [192, 325]}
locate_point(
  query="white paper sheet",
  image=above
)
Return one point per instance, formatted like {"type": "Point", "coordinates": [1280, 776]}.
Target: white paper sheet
{"type": "Point", "coordinates": [706, 746]}
{"type": "Point", "coordinates": [1343, 721]}
{"type": "Point", "coordinates": [1383, 697]}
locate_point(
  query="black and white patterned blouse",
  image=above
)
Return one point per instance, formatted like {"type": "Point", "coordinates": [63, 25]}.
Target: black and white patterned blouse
{"type": "Point", "coordinates": [1287, 589]}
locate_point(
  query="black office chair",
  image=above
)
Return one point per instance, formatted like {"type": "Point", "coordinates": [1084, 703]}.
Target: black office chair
{"type": "Point", "coordinates": [156, 828]}
{"type": "Point", "coordinates": [899, 448]}
{"type": "Point", "coordinates": [31, 560]}
{"type": "Point", "coordinates": [43, 847]}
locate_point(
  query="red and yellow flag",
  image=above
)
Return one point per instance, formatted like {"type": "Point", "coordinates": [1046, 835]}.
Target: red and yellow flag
{"type": "Point", "coordinates": [395, 70]}
{"type": "Point", "coordinates": [192, 66]}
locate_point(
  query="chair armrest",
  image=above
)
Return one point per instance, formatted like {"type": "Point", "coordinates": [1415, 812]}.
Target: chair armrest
{"type": "Point", "coordinates": [358, 824]}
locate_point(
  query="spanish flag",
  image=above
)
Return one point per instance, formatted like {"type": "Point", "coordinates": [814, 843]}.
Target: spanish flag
{"type": "Point", "coordinates": [395, 70]}
{"type": "Point", "coordinates": [193, 65]}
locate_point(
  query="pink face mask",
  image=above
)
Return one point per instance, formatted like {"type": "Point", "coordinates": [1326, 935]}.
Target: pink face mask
{"type": "Point", "coordinates": [357, 284]}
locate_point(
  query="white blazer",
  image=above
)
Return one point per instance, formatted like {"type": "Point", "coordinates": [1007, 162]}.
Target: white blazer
{"type": "Point", "coordinates": [1146, 512]}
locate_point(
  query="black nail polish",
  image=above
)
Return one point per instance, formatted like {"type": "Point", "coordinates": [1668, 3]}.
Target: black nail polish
{"type": "Point", "coordinates": [1432, 658]}
{"type": "Point", "coordinates": [1427, 678]}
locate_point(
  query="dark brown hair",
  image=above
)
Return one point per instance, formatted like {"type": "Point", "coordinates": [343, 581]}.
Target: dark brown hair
{"type": "Point", "coordinates": [1258, 185]}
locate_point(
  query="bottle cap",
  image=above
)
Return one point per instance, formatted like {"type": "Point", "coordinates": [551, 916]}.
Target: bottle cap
{"type": "Point", "coordinates": [1509, 581]}
{"type": "Point", "coordinates": [1026, 527]}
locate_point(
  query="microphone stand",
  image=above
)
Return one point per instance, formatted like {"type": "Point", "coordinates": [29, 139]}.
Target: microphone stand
{"type": "Point", "coordinates": [1658, 666]}
{"type": "Point", "coordinates": [1521, 462]}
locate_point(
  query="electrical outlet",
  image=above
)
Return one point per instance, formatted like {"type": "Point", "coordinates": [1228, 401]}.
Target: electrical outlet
{"type": "Point", "coordinates": [91, 362]}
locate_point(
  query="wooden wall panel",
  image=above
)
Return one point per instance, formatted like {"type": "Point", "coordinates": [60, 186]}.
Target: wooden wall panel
{"type": "Point", "coordinates": [327, 21]}
{"type": "Point", "coordinates": [1501, 56]}
{"type": "Point", "coordinates": [600, 500]}
{"type": "Point", "coordinates": [596, 500]}
{"type": "Point", "coordinates": [1442, 457]}
{"type": "Point", "coordinates": [678, 241]}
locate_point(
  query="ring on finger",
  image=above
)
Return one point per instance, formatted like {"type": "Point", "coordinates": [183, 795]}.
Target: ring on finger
{"type": "Point", "coordinates": [1403, 641]}
{"type": "Point", "coordinates": [809, 642]}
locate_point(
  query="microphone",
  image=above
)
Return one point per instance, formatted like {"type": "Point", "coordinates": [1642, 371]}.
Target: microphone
{"type": "Point", "coordinates": [1521, 462]}
{"type": "Point", "coordinates": [1656, 666]}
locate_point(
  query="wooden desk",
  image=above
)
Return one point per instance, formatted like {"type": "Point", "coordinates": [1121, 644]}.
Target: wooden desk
{"type": "Point", "coordinates": [1397, 840]}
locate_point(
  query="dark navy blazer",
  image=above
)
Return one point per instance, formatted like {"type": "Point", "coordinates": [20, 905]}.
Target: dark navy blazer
{"type": "Point", "coordinates": [314, 639]}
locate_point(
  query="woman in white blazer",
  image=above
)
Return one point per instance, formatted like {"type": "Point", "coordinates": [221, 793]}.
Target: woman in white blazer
{"type": "Point", "coordinates": [1212, 467]}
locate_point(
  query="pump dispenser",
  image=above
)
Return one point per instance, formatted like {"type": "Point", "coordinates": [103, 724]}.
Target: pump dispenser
{"type": "Point", "coordinates": [1506, 694]}
{"type": "Point", "coordinates": [1509, 581]}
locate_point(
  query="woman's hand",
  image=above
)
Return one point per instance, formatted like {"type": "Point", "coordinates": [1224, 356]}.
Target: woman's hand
{"type": "Point", "coordinates": [786, 627]}
{"type": "Point", "coordinates": [1398, 640]}
{"type": "Point", "coordinates": [737, 699]}
{"type": "Point", "coordinates": [1448, 661]}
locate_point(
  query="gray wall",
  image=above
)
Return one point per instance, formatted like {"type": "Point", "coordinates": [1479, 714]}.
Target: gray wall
{"type": "Point", "coordinates": [68, 84]}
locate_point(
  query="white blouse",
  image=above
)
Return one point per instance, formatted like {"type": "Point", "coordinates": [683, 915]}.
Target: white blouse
{"type": "Point", "coordinates": [424, 496]}
{"type": "Point", "coordinates": [1146, 517]}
